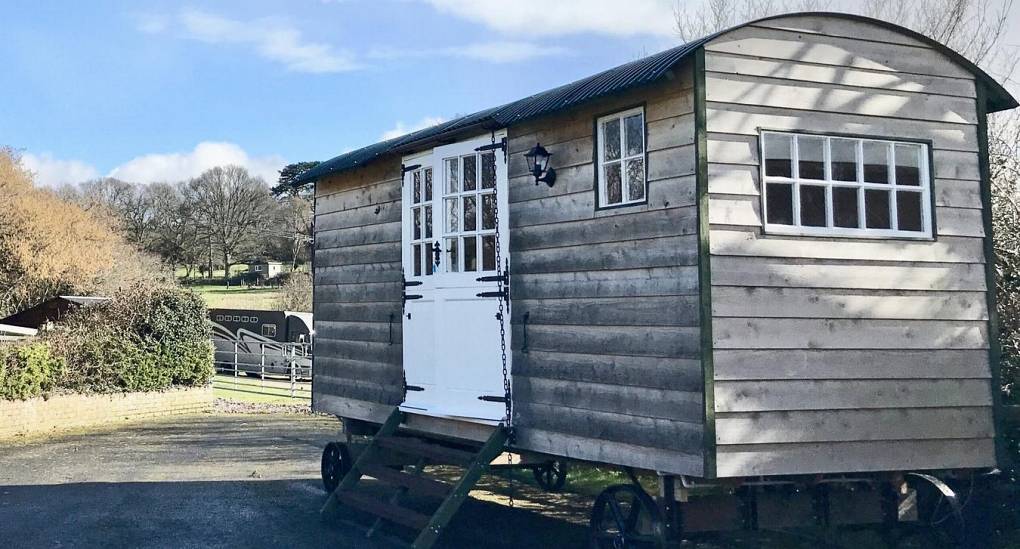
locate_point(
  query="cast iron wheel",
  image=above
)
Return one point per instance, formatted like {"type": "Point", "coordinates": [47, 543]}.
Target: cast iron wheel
{"type": "Point", "coordinates": [625, 517]}
{"type": "Point", "coordinates": [336, 462]}
{"type": "Point", "coordinates": [551, 476]}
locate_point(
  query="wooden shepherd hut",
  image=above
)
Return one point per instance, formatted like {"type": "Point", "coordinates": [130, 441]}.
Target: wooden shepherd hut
{"type": "Point", "coordinates": [763, 254]}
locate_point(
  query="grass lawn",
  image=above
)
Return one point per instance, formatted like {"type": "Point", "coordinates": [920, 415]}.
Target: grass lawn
{"type": "Point", "coordinates": [237, 297]}
{"type": "Point", "coordinates": [252, 389]}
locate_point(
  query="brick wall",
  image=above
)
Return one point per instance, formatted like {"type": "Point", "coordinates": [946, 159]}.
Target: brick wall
{"type": "Point", "coordinates": [63, 412]}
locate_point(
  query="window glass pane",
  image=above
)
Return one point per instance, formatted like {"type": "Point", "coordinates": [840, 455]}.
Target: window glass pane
{"type": "Point", "coordinates": [636, 179]}
{"type": "Point", "coordinates": [876, 209]}
{"type": "Point", "coordinates": [778, 156]}
{"type": "Point", "coordinates": [908, 165]}
{"type": "Point", "coordinates": [488, 170]}
{"type": "Point", "coordinates": [488, 211]}
{"type": "Point", "coordinates": [843, 154]}
{"type": "Point", "coordinates": [417, 187]}
{"type": "Point", "coordinates": [811, 157]}
{"type": "Point", "coordinates": [470, 214]}
{"type": "Point", "coordinates": [489, 253]}
{"type": "Point", "coordinates": [614, 187]}
{"type": "Point", "coordinates": [470, 174]}
{"type": "Point", "coordinates": [470, 254]}
{"type": "Point", "coordinates": [611, 135]}
{"type": "Point", "coordinates": [452, 175]}
{"type": "Point", "coordinates": [812, 206]}
{"type": "Point", "coordinates": [452, 215]}
{"type": "Point", "coordinates": [635, 128]}
{"type": "Point", "coordinates": [779, 204]}
{"type": "Point", "coordinates": [453, 265]}
{"type": "Point", "coordinates": [416, 257]}
{"type": "Point", "coordinates": [845, 212]}
{"type": "Point", "coordinates": [428, 221]}
{"type": "Point", "coordinates": [430, 258]}
{"type": "Point", "coordinates": [876, 162]}
{"type": "Point", "coordinates": [417, 223]}
{"type": "Point", "coordinates": [428, 184]}
{"type": "Point", "coordinates": [908, 210]}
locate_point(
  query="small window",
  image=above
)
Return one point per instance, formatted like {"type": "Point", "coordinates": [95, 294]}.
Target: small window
{"type": "Point", "coordinates": [621, 158]}
{"type": "Point", "coordinates": [842, 186]}
{"type": "Point", "coordinates": [269, 330]}
{"type": "Point", "coordinates": [258, 268]}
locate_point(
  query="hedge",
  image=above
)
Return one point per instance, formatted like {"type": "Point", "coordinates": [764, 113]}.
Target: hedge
{"type": "Point", "coordinates": [144, 339]}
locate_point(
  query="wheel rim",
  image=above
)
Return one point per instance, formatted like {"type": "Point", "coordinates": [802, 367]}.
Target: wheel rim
{"type": "Point", "coordinates": [625, 517]}
{"type": "Point", "coordinates": [333, 467]}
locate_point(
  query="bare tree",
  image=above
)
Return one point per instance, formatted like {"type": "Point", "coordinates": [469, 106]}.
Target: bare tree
{"type": "Point", "coordinates": [232, 208]}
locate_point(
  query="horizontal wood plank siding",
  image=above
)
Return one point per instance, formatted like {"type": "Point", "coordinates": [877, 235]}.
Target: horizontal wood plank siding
{"type": "Point", "coordinates": [611, 371]}
{"type": "Point", "coordinates": [358, 354]}
{"type": "Point", "coordinates": [836, 354]}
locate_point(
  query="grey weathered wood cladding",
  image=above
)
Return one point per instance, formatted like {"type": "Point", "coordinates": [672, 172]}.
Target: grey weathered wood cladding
{"type": "Point", "coordinates": [678, 335]}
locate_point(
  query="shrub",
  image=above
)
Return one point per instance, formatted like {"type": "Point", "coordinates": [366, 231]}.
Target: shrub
{"type": "Point", "coordinates": [27, 370]}
{"type": "Point", "coordinates": [144, 339]}
{"type": "Point", "coordinates": [297, 292]}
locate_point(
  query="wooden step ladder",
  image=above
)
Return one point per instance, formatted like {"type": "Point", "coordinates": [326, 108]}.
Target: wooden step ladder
{"type": "Point", "coordinates": [414, 482]}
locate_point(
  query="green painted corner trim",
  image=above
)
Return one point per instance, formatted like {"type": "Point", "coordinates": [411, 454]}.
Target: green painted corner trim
{"type": "Point", "coordinates": [704, 264]}
{"type": "Point", "coordinates": [994, 351]}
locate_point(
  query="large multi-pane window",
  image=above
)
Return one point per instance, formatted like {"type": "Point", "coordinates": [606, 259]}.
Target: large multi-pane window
{"type": "Point", "coordinates": [469, 203]}
{"type": "Point", "coordinates": [845, 186]}
{"type": "Point", "coordinates": [422, 257]}
{"type": "Point", "coordinates": [621, 158]}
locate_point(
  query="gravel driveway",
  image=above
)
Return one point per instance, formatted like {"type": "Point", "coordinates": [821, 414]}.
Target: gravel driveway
{"type": "Point", "coordinates": [221, 480]}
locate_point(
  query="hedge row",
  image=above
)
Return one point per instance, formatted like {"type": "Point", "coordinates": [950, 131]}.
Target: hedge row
{"type": "Point", "coordinates": [144, 339]}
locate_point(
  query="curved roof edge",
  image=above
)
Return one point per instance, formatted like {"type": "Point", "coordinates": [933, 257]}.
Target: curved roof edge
{"type": "Point", "coordinates": [630, 75]}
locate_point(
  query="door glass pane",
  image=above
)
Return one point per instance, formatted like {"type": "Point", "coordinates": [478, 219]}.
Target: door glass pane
{"type": "Point", "coordinates": [811, 157]}
{"type": "Point", "coordinates": [453, 258]}
{"type": "Point", "coordinates": [488, 211]}
{"type": "Point", "coordinates": [430, 257]}
{"type": "Point", "coordinates": [876, 162]}
{"type": "Point", "coordinates": [844, 207]}
{"type": "Point", "coordinates": [417, 186]}
{"type": "Point", "coordinates": [812, 206]}
{"type": "Point", "coordinates": [908, 210]}
{"type": "Point", "coordinates": [843, 155]}
{"type": "Point", "coordinates": [470, 214]}
{"type": "Point", "coordinates": [452, 215]}
{"type": "Point", "coordinates": [636, 179]}
{"type": "Point", "coordinates": [611, 135]}
{"type": "Point", "coordinates": [452, 175]}
{"type": "Point", "coordinates": [428, 221]}
{"type": "Point", "coordinates": [470, 173]}
{"type": "Point", "coordinates": [908, 165]}
{"type": "Point", "coordinates": [488, 170]}
{"type": "Point", "coordinates": [489, 253]}
{"type": "Point", "coordinates": [416, 255]}
{"type": "Point", "coordinates": [428, 184]}
{"type": "Point", "coordinates": [635, 129]}
{"type": "Point", "coordinates": [876, 209]}
{"type": "Point", "coordinates": [779, 203]}
{"type": "Point", "coordinates": [614, 187]}
{"type": "Point", "coordinates": [778, 158]}
{"type": "Point", "coordinates": [470, 254]}
{"type": "Point", "coordinates": [417, 223]}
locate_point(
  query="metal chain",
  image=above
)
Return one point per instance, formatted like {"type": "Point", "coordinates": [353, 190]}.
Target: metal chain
{"type": "Point", "coordinates": [504, 293]}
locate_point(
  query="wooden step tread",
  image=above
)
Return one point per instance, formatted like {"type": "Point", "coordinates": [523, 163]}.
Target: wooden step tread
{"type": "Point", "coordinates": [415, 483]}
{"type": "Point", "coordinates": [439, 454]}
{"type": "Point", "coordinates": [382, 509]}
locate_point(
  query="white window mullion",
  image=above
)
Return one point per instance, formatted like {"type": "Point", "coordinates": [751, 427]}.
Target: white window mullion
{"type": "Point", "coordinates": [795, 172]}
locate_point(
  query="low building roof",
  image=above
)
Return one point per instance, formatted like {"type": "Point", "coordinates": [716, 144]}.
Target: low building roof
{"type": "Point", "coordinates": [630, 75]}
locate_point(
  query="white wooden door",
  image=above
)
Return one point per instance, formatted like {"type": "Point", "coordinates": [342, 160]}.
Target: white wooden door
{"type": "Point", "coordinates": [452, 341]}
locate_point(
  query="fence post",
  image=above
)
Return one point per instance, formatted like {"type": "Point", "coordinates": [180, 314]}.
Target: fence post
{"type": "Point", "coordinates": [235, 364]}
{"type": "Point", "coordinates": [262, 365]}
{"type": "Point", "coordinates": [293, 376]}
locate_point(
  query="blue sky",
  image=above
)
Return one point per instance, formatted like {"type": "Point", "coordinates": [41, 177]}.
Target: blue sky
{"type": "Point", "coordinates": [160, 90]}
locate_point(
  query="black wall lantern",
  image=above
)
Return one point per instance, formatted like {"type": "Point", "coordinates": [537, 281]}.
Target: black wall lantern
{"type": "Point", "coordinates": [538, 164]}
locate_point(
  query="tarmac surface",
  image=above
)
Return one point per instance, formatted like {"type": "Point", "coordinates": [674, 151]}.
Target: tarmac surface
{"type": "Point", "coordinates": [225, 480]}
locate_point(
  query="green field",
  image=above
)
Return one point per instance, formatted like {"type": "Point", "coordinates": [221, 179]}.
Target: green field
{"type": "Point", "coordinates": [238, 297]}
{"type": "Point", "coordinates": [260, 391]}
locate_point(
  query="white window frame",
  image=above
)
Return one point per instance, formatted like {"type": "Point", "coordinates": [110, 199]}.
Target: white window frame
{"type": "Point", "coordinates": [268, 328]}
{"type": "Point", "coordinates": [926, 232]}
{"type": "Point", "coordinates": [600, 150]}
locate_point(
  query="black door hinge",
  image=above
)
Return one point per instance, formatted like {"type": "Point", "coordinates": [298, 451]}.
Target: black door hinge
{"type": "Point", "coordinates": [404, 169]}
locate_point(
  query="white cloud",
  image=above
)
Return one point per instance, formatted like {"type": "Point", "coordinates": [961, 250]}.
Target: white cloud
{"type": "Point", "coordinates": [493, 52]}
{"type": "Point", "coordinates": [270, 38]}
{"type": "Point", "coordinates": [150, 168]}
{"type": "Point", "coordinates": [545, 18]}
{"type": "Point", "coordinates": [52, 172]}
{"type": "Point", "coordinates": [402, 129]}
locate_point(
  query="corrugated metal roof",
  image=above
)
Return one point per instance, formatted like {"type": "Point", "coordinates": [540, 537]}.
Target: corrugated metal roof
{"type": "Point", "coordinates": [636, 73]}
